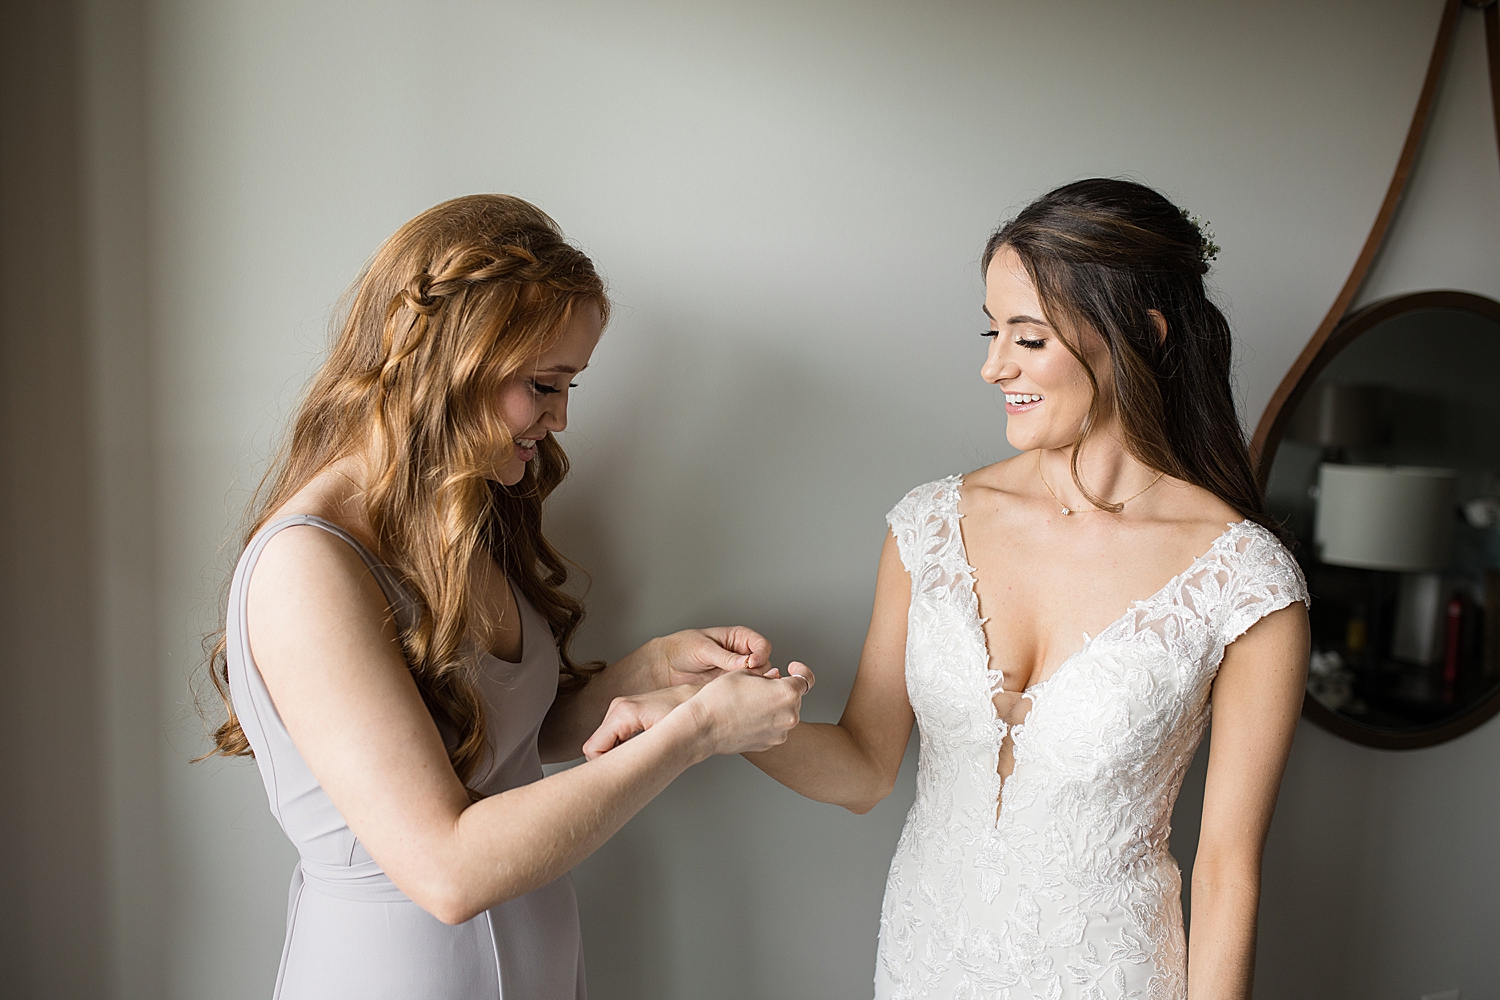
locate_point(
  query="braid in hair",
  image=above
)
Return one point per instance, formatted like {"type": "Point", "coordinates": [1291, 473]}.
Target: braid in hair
{"type": "Point", "coordinates": [456, 302]}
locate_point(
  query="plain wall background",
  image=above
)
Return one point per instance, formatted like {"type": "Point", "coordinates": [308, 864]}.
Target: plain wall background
{"type": "Point", "coordinates": [789, 201]}
{"type": "Point", "coordinates": [52, 796]}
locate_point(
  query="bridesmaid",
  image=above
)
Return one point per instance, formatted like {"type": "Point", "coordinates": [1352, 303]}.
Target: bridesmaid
{"type": "Point", "coordinates": [395, 648]}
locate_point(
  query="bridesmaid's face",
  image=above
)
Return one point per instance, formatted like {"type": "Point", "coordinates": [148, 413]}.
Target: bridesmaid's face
{"type": "Point", "coordinates": [1047, 390]}
{"type": "Point", "coordinates": [534, 402]}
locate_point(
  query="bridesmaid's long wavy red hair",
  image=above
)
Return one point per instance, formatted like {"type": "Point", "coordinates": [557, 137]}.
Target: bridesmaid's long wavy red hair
{"type": "Point", "coordinates": [453, 304]}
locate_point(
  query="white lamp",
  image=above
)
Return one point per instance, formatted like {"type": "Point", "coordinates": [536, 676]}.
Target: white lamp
{"type": "Point", "coordinates": [1393, 518]}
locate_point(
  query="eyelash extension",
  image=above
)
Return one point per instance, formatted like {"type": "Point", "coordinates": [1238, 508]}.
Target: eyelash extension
{"type": "Point", "coordinates": [1030, 345]}
{"type": "Point", "coordinates": [542, 389]}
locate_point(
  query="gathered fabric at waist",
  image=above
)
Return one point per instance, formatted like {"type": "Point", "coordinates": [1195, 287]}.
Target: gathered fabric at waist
{"type": "Point", "coordinates": [364, 882]}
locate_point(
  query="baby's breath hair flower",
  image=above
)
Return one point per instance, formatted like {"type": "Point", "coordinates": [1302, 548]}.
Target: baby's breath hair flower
{"type": "Point", "coordinates": [1207, 248]}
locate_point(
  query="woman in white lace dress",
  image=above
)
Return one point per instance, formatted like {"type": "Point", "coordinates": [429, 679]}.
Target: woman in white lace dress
{"type": "Point", "coordinates": [1063, 626]}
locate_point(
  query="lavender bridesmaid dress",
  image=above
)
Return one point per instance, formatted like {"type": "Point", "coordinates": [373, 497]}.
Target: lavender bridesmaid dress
{"type": "Point", "coordinates": [350, 932]}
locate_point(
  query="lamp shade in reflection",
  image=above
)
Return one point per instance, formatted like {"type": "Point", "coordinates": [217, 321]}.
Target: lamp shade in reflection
{"type": "Point", "coordinates": [1385, 517]}
{"type": "Point", "coordinates": [1340, 416]}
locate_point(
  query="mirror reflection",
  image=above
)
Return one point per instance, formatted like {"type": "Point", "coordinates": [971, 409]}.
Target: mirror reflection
{"type": "Point", "coordinates": [1388, 473]}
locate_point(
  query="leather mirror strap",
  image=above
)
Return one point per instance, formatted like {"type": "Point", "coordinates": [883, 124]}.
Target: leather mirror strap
{"type": "Point", "coordinates": [1492, 46]}
{"type": "Point", "coordinates": [1277, 412]}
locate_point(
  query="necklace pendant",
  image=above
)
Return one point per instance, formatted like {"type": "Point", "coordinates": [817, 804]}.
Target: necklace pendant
{"type": "Point", "coordinates": [1066, 512]}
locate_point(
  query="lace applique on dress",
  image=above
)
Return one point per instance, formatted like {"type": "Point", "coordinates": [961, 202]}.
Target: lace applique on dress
{"type": "Point", "coordinates": [1067, 890]}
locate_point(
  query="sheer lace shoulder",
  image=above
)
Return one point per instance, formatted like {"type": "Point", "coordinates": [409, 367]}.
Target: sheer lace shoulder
{"type": "Point", "coordinates": [1245, 575]}
{"type": "Point", "coordinates": [925, 524]}
{"type": "Point", "coordinates": [1266, 578]}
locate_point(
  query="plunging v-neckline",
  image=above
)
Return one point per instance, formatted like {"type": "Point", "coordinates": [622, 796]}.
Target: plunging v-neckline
{"type": "Point", "coordinates": [515, 595]}
{"type": "Point", "coordinates": [971, 574]}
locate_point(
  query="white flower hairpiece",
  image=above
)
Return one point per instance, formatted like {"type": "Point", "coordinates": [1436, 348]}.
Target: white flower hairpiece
{"type": "Point", "coordinates": [1207, 248]}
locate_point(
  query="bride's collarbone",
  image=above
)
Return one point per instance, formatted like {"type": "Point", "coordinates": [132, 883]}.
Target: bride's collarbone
{"type": "Point", "coordinates": [1041, 591]}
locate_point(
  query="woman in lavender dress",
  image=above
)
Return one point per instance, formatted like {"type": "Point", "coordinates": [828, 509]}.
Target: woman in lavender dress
{"type": "Point", "coordinates": [395, 652]}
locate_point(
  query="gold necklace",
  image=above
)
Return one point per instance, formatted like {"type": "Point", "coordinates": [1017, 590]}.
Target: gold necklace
{"type": "Point", "coordinates": [1118, 508]}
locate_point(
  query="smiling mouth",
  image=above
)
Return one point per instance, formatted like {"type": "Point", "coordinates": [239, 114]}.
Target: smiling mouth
{"type": "Point", "coordinates": [1022, 398]}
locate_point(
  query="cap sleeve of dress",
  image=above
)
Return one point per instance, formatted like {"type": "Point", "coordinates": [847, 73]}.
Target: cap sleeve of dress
{"type": "Point", "coordinates": [1266, 579]}
{"type": "Point", "coordinates": [919, 514]}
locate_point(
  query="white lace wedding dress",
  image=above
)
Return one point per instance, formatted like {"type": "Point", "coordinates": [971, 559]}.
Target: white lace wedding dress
{"type": "Point", "coordinates": [1069, 893]}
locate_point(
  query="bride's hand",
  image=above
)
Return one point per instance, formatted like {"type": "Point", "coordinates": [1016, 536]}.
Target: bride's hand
{"type": "Point", "coordinates": [738, 712]}
{"type": "Point", "coordinates": [698, 655]}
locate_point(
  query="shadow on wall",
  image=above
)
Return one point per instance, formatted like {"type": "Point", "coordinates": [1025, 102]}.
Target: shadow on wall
{"type": "Point", "coordinates": [55, 878]}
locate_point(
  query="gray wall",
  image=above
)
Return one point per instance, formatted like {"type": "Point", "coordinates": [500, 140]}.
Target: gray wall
{"type": "Point", "coordinates": [789, 201]}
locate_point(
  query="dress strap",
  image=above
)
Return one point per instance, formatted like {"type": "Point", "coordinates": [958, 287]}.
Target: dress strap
{"type": "Point", "coordinates": [403, 606]}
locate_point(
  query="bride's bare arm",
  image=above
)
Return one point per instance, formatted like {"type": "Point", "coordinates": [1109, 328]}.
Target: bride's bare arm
{"type": "Point", "coordinates": [320, 635]}
{"type": "Point", "coordinates": [1257, 698]}
{"type": "Point", "coordinates": [854, 763]}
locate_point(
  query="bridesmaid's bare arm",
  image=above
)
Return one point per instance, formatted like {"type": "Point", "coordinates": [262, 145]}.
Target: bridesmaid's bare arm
{"type": "Point", "coordinates": [321, 637]}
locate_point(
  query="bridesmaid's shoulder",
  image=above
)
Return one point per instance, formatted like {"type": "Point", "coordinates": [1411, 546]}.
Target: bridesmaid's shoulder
{"type": "Point", "coordinates": [301, 553]}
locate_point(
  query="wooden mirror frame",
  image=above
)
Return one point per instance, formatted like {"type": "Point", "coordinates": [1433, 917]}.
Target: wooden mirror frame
{"type": "Point", "coordinates": [1341, 327]}
{"type": "Point", "coordinates": [1354, 326]}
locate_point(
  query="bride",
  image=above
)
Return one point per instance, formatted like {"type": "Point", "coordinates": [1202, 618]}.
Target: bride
{"type": "Point", "coordinates": [1063, 626]}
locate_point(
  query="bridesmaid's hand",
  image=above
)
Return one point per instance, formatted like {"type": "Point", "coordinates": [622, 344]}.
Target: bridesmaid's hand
{"type": "Point", "coordinates": [634, 715]}
{"type": "Point", "coordinates": [745, 712]}
{"type": "Point", "coordinates": [739, 712]}
{"type": "Point", "coordinates": [698, 655]}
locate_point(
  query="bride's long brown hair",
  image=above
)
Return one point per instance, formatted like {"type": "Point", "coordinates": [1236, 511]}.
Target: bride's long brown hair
{"type": "Point", "coordinates": [453, 304]}
{"type": "Point", "coordinates": [1102, 254]}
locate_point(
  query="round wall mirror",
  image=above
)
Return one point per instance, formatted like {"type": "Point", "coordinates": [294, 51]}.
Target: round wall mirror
{"type": "Point", "coordinates": [1384, 461]}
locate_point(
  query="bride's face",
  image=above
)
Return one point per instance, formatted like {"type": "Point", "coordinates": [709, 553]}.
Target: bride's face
{"type": "Point", "coordinates": [534, 402]}
{"type": "Point", "coordinates": [1047, 392]}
